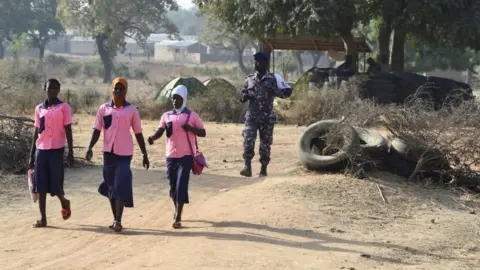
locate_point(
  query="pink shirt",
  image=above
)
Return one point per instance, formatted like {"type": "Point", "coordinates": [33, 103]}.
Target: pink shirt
{"type": "Point", "coordinates": [177, 145]}
{"type": "Point", "coordinates": [50, 120]}
{"type": "Point", "coordinates": [116, 123]}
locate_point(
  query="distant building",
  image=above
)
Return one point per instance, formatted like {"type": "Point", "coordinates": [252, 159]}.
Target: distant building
{"type": "Point", "coordinates": [180, 51]}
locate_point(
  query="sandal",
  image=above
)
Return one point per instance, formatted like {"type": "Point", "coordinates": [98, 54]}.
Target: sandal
{"type": "Point", "coordinates": [177, 225]}
{"type": "Point", "coordinates": [111, 226]}
{"type": "Point", "coordinates": [39, 224]}
{"type": "Point", "coordinates": [117, 227]}
{"type": "Point", "coordinates": [66, 212]}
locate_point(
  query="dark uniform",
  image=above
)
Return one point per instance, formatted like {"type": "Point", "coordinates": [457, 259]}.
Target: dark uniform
{"type": "Point", "coordinates": [260, 117]}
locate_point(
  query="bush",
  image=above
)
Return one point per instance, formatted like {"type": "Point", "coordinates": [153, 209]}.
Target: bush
{"type": "Point", "coordinates": [15, 142]}
{"type": "Point", "coordinates": [220, 106]}
{"type": "Point", "coordinates": [84, 100]}
{"type": "Point", "coordinates": [21, 88]}
{"type": "Point", "coordinates": [29, 74]}
{"type": "Point", "coordinates": [121, 70]}
{"type": "Point", "coordinates": [54, 60]}
{"type": "Point", "coordinates": [313, 106]}
{"type": "Point", "coordinates": [140, 74]}
{"type": "Point", "coordinates": [72, 69]}
{"type": "Point", "coordinates": [93, 68]}
{"type": "Point", "coordinates": [151, 109]}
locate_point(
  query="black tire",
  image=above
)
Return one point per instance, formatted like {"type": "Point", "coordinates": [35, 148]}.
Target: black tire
{"type": "Point", "coordinates": [404, 159]}
{"type": "Point", "coordinates": [371, 140]}
{"type": "Point", "coordinates": [313, 161]}
{"type": "Point", "coordinates": [373, 148]}
{"type": "Point", "coordinates": [401, 149]}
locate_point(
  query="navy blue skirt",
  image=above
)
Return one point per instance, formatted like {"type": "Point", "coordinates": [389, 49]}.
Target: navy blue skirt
{"type": "Point", "coordinates": [117, 178]}
{"type": "Point", "coordinates": [49, 171]}
{"type": "Point", "coordinates": [178, 174]}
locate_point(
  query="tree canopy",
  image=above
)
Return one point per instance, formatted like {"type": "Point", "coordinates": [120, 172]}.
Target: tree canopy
{"type": "Point", "coordinates": [219, 35]}
{"type": "Point", "coordinates": [438, 23]}
{"type": "Point", "coordinates": [44, 25]}
{"type": "Point", "coordinates": [10, 25]}
{"type": "Point", "coordinates": [108, 22]}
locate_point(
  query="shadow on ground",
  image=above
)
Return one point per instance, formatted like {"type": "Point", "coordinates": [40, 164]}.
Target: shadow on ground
{"type": "Point", "coordinates": [313, 241]}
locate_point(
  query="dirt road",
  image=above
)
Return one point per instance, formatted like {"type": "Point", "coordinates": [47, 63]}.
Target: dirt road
{"type": "Point", "coordinates": [290, 220]}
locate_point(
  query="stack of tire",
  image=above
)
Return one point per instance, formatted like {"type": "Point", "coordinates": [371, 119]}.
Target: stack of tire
{"type": "Point", "coordinates": [360, 146]}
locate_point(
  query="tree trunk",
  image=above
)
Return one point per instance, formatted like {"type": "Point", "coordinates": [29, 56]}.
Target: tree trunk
{"type": "Point", "coordinates": [2, 50]}
{"type": "Point", "coordinates": [385, 31]}
{"type": "Point", "coordinates": [398, 49]}
{"type": "Point", "coordinates": [41, 52]}
{"type": "Point", "coordinates": [298, 56]}
{"type": "Point", "coordinates": [241, 64]}
{"type": "Point", "coordinates": [105, 57]}
{"type": "Point", "coordinates": [265, 49]}
{"type": "Point", "coordinates": [351, 51]}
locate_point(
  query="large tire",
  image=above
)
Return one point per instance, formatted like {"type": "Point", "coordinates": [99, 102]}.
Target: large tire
{"type": "Point", "coordinates": [400, 148]}
{"type": "Point", "coordinates": [371, 140]}
{"type": "Point", "coordinates": [373, 148]}
{"type": "Point", "coordinates": [313, 161]}
{"type": "Point", "coordinates": [404, 159]}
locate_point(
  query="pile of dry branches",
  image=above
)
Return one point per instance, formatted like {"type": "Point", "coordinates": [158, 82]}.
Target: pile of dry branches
{"type": "Point", "coordinates": [15, 142]}
{"type": "Point", "coordinates": [446, 142]}
{"type": "Point", "coordinates": [443, 143]}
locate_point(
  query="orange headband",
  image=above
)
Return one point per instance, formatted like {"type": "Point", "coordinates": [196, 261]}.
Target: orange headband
{"type": "Point", "coordinates": [121, 81]}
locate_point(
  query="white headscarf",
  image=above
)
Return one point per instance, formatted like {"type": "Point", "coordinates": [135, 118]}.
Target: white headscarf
{"type": "Point", "coordinates": [281, 83]}
{"type": "Point", "coordinates": [182, 91]}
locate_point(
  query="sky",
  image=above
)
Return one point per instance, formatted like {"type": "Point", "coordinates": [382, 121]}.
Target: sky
{"type": "Point", "coordinates": [186, 4]}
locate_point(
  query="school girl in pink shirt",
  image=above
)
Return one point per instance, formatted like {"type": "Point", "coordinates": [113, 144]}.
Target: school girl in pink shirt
{"type": "Point", "coordinates": [116, 118]}
{"type": "Point", "coordinates": [180, 125]}
{"type": "Point", "coordinates": [53, 123]}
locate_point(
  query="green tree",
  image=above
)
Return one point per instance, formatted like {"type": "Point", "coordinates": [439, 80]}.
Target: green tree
{"type": "Point", "coordinates": [18, 43]}
{"type": "Point", "coordinates": [438, 23]}
{"type": "Point", "coordinates": [44, 25]}
{"type": "Point", "coordinates": [14, 20]}
{"type": "Point", "coordinates": [325, 18]}
{"type": "Point", "coordinates": [108, 22]}
{"type": "Point", "coordinates": [218, 35]}
{"type": "Point", "coordinates": [422, 56]}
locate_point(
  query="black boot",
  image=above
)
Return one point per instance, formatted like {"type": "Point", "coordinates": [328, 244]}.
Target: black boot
{"type": "Point", "coordinates": [247, 170]}
{"type": "Point", "coordinates": [263, 170]}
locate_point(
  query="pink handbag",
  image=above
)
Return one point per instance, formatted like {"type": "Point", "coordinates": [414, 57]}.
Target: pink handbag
{"type": "Point", "coordinates": [199, 161]}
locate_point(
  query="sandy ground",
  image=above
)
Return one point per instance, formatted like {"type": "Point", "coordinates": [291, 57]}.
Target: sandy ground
{"type": "Point", "coordinates": [292, 219]}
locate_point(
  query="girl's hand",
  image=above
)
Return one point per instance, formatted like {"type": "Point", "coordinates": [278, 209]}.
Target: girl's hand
{"type": "Point", "coordinates": [187, 127]}
{"type": "Point", "coordinates": [89, 155]}
{"type": "Point", "coordinates": [146, 162]}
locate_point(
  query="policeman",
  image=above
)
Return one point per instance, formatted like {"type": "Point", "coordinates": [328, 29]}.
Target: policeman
{"type": "Point", "coordinates": [260, 89]}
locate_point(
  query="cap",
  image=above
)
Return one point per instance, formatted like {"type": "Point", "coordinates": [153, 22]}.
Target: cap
{"type": "Point", "coordinates": [260, 56]}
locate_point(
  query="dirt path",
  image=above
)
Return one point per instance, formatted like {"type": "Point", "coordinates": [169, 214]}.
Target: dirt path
{"type": "Point", "coordinates": [289, 220]}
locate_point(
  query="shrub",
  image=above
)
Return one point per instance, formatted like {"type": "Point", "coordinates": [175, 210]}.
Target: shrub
{"type": "Point", "coordinates": [84, 100]}
{"type": "Point", "coordinates": [92, 68]}
{"type": "Point", "coordinates": [151, 109]}
{"type": "Point", "coordinates": [54, 60]}
{"type": "Point", "coordinates": [219, 105]}
{"type": "Point", "coordinates": [72, 69]}
{"type": "Point", "coordinates": [121, 70]}
{"type": "Point", "coordinates": [140, 74]}
{"type": "Point", "coordinates": [313, 106]}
